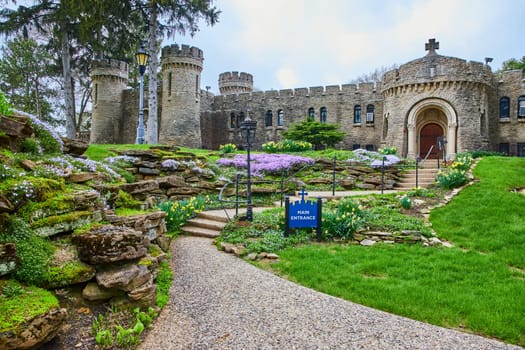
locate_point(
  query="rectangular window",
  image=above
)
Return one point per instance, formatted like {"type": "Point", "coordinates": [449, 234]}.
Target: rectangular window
{"type": "Point", "coordinates": [521, 111]}
{"type": "Point", "coordinates": [169, 84]}
{"type": "Point", "coordinates": [356, 146]}
{"type": "Point", "coordinates": [96, 94]}
{"type": "Point", "coordinates": [370, 118]}
{"type": "Point", "coordinates": [504, 148]}
{"type": "Point", "coordinates": [520, 150]}
{"type": "Point", "coordinates": [369, 147]}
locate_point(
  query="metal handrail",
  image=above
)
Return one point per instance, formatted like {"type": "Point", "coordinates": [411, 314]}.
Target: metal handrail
{"type": "Point", "coordinates": [428, 153]}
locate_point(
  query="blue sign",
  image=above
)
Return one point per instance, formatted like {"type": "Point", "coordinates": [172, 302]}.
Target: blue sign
{"type": "Point", "coordinates": [303, 214]}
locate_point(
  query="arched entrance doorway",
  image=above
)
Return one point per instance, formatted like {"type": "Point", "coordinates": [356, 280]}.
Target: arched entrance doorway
{"type": "Point", "coordinates": [428, 139]}
{"type": "Point", "coordinates": [431, 118]}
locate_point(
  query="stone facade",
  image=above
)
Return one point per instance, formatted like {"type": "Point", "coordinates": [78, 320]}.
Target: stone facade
{"type": "Point", "coordinates": [433, 106]}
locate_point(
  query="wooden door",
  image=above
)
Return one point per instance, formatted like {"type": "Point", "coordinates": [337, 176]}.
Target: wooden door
{"type": "Point", "coordinates": [428, 138]}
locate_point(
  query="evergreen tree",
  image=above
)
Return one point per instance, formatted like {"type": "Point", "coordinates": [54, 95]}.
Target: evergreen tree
{"type": "Point", "coordinates": [25, 71]}
{"type": "Point", "coordinates": [319, 134]}
{"type": "Point", "coordinates": [513, 63]}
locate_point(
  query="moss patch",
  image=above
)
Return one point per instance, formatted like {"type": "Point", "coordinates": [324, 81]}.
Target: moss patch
{"type": "Point", "coordinates": [15, 310]}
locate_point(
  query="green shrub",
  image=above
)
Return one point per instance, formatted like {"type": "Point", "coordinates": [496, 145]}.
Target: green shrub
{"type": "Point", "coordinates": [344, 220]}
{"type": "Point", "coordinates": [405, 202]}
{"type": "Point", "coordinates": [451, 178]}
{"type": "Point", "coordinates": [228, 148]}
{"type": "Point", "coordinates": [286, 146]}
{"type": "Point", "coordinates": [388, 150]}
{"type": "Point", "coordinates": [5, 107]}
{"type": "Point", "coordinates": [181, 211]}
{"type": "Point", "coordinates": [33, 252]}
{"type": "Point", "coordinates": [31, 146]}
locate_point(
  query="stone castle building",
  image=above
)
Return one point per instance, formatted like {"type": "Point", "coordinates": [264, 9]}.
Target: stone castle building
{"type": "Point", "coordinates": [435, 105]}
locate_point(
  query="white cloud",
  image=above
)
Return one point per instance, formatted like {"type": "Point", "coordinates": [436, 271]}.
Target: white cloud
{"type": "Point", "coordinates": [287, 77]}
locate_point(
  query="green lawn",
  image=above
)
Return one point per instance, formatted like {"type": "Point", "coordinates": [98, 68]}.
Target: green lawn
{"type": "Point", "coordinates": [477, 286]}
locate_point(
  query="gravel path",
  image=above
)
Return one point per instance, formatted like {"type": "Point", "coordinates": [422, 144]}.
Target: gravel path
{"type": "Point", "coordinates": [219, 301]}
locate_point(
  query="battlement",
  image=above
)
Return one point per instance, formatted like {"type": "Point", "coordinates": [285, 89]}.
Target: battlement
{"type": "Point", "coordinates": [235, 83]}
{"type": "Point", "coordinates": [366, 89]}
{"type": "Point", "coordinates": [236, 77]}
{"type": "Point", "coordinates": [175, 50]}
{"type": "Point", "coordinates": [110, 67]}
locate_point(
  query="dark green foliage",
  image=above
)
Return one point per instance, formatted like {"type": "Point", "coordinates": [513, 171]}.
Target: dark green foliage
{"type": "Point", "coordinates": [5, 106]}
{"type": "Point", "coordinates": [34, 252]}
{"type": "Point", "coordinates": [163, 282]}
{"type": "Point", "coordinates": [513, 63]}
{"type": "Point", "coordinates": [319, 134]}
{"type": "Point", "coordinates": [30, 146]}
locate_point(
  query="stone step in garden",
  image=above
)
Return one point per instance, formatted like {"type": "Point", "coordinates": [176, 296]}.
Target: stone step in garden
{"type": "Point", "coordinates": [206, 223]}
{"type": "Point", "coordinates": [200, 232]}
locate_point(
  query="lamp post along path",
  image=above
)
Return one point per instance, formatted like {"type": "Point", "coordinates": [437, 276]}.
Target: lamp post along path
{"type": "Point", "coordinates": [248, 128]}
{"type": "Point", "coordinates": [142, 58]}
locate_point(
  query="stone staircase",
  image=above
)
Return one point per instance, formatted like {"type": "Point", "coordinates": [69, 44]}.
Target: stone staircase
{"type": "Point", "coordinates": [426, 176]}
{"type": "Point", "coordinates": [206, 224]}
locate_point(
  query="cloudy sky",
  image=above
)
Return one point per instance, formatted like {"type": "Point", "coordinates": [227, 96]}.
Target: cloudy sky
{"type": "Point", "coordinates": [301, 43]}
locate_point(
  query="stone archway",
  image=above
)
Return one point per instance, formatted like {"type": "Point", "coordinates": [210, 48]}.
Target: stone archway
{"type": "Point", "coordinates": [431, 111]}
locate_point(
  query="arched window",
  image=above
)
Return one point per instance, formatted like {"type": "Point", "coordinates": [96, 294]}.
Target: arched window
{"type": "Point", "coordinates": [370, 114]}
{"type": "Point", "coordinates": [311, 114]}
{"type": "Point", "coordinates": [521, 107]}
{"type": "Point", "coordinates": [240, 119]}
{"type": "Point", "coordinates": [322, 114]}
{"type": "Point", "coordinates": [357, 114]}
{"type": "Point", "coordinates": [268, 119]}
{"type": "Point", "coordinates": [504, 107]}
{"type": "Point", "coordinates": [280, 117]}
{"type": "Point", "coordinates": [233, 120]}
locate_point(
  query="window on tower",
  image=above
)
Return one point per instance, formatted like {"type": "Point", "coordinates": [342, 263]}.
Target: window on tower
{"type": "Point", "coordinates": [370, 114]}
{"type": "Point", "coordinates": [357, 114]}
{"type": "Point", "coordinates": [323, 114]}
{"type": "Point", "coordinates": [268, 119]}
{"type": "Point", "coordinates": [504, 107]}
{"type": "Point", "coordinates": [521, 107]}
{"type": "Point", "coordinates": [311, 114]}
{"type": "Point", "coordinates": [280, 117]}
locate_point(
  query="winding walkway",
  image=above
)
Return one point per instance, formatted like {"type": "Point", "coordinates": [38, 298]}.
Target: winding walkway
{"type": "Point", "coordinates": [219, 301]}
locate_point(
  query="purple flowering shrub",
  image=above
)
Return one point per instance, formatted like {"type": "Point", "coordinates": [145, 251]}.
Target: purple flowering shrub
{"type": "Point", "coordinates": [47, 137]}
{"type": "Point", "coordinates": [261, 164]}
{"type": "Point", "coordinates": [374, 159]}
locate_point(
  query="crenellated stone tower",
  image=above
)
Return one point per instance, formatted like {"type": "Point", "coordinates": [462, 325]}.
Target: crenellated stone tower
{"type": "Point", "coordinates": [181, 94]}
{"type": "Point", "coordinates": [110, 79]}
{"type": "Point", "coordinates": [235, 83]}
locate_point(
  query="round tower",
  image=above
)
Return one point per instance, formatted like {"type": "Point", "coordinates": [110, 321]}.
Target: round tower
{"type": "Point", "coordinates": [181, 75]}
{"type": "Point", "coordinates": [235, 83]}
{"type": "Point", "coordinates": [109, 78]}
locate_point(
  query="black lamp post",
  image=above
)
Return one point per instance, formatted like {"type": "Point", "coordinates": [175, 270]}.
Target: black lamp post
{"type": "Point", "coordinates": [142, 58]}
{"type": "Point", "coordinates": [248, 128]}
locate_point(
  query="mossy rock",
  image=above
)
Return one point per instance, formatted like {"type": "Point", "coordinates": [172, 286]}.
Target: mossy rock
{"type": "Point", "coordinates": [66, 268]}
{"type": "Point", "coordinates": [53, 225]}
{"type": "Point", "coordinates": [29, 316]}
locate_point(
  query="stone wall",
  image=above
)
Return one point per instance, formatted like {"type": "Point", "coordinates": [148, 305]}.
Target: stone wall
{"type": "Point", "coordinates": [510, 130]}
{"type": "Point", "coordinates": [339, 102]}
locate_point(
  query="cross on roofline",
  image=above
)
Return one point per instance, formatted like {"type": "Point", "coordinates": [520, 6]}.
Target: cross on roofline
{"type": "Point", "coordinates": [432, 46]}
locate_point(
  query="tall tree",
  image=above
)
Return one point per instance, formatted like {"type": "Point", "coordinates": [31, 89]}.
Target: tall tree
{"type": "Point", "coordinates": [167, 18]}
{"type": "Point", "coordinates": [76, 29]}
{"type": "Point", "coordinates": [25, 71]}
{"type": "Point", "coordinates": [513, 63]}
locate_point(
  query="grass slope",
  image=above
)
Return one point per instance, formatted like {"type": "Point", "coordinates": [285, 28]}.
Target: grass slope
{"type": "Point", "coordinates": [478, 286]}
